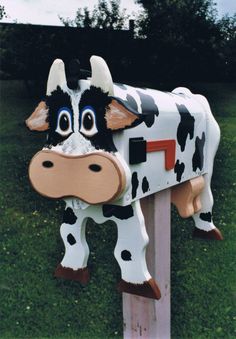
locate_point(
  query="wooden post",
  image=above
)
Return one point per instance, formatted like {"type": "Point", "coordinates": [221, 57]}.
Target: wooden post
{"type": "Point", "coordinates": [144, 317]}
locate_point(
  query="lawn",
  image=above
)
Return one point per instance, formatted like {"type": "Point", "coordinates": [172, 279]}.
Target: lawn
{"type": "Point", "coordinates": [33, 304]}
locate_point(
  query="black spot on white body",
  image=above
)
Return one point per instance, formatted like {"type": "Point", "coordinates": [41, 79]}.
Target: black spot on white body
{"type": "Point", "coordinates": [126, 255]}
{"type": "Point", "coordinates": [145, 185]}
{"type": "Point", "coordinates": [71, 239]}
{"type": "Point", "coordinates": [69, 217]}
{"type": "Point", "coordinates": [135, 183]}
{"type": "Point", "coordinates": [179, 170]}
{"type": "Point", "coordinates": [149, 108]}
{"type": "Point", "coordinates": [198, 156]}
{"type": "Point", "coordinates": [206, 216]}
{"type": "Point", "coordinates": [186, 126]}
{"type": "Point", "coordinates": [120, 212]}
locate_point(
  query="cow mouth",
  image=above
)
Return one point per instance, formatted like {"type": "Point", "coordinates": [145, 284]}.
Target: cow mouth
{"type": "Point", "coordinates": [94, 178]}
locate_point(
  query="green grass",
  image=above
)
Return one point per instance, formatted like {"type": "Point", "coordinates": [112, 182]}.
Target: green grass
{"type": "Point", "coordinates": [33, 304]}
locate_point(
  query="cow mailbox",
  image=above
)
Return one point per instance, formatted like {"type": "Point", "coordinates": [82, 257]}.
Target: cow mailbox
{"type": "Point", "coordinates": [108, 146]}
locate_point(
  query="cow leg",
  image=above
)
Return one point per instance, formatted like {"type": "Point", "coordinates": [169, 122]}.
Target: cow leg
{"type": "Point", "coordinates": [74, 264]}
{"type": "Point", "coordinates": [205, 227]}
{"type": "Point", "coordinates": [130, 252]}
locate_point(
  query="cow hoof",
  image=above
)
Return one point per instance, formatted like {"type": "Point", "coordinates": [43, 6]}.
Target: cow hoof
{"type": "Point", "coordinates": [214, 234]}
{"type": "Point", "coordinates": [81, 275]}
{"type": "Point", "coordinates": [148, 289]}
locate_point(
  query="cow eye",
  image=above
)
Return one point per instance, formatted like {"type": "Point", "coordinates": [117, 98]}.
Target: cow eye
{"type": "Point", "coordinates": [64, 122]}
{"type": "Point", "coordinates": [88, 122]}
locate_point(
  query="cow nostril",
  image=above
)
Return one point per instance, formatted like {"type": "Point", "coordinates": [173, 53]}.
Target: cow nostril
{"type": "Point", "coordinates": [95, 168]}
{"type": "Point", "coordinates": [47, 164]}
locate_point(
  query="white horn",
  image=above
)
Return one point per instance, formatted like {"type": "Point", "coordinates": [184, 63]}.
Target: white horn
{"type": "Point", "coordinates": [101, 76]}
{"type": "Point", "coordinates": [57, 76]}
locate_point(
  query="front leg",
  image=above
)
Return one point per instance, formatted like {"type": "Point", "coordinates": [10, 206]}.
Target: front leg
{"type": "Point", "coordinates": [74, 263]}
{"type": "Point", "coordinates": [130, 250]}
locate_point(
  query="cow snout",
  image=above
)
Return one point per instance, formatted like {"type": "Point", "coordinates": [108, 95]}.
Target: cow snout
{"type": "Point", "coordinates": [92, 167]}
{"type": "Point", "coordinates": [95, 178]}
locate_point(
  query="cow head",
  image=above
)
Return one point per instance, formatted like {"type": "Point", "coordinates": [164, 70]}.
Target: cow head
{"type": "Point", "coordinates": [80, 159]}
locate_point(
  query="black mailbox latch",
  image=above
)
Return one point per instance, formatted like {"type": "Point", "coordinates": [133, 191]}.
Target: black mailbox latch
{"type": "Point", "coordinates": [137, 150]}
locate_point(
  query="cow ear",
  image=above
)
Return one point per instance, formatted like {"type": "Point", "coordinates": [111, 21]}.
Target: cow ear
{"type": "Point", "coordinates": [38, 119]}
{"type": "Point", "coordinates": [118, 116]}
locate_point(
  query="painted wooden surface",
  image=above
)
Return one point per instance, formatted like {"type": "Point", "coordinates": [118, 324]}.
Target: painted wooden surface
{"type": "Point", "coordinates": [58, 175]}
{"type": "Point", "coordinates": [143, 317]}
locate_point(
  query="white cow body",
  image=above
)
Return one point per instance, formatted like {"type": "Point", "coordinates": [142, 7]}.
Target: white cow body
{"type": "Point", "coordinates": [180, 118]}
{"type": "Point", "coordinates": [164, 128]}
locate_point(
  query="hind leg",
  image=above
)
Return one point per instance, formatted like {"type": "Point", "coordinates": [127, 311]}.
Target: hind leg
{"type": "Point", "coordinates": [204, 225]}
